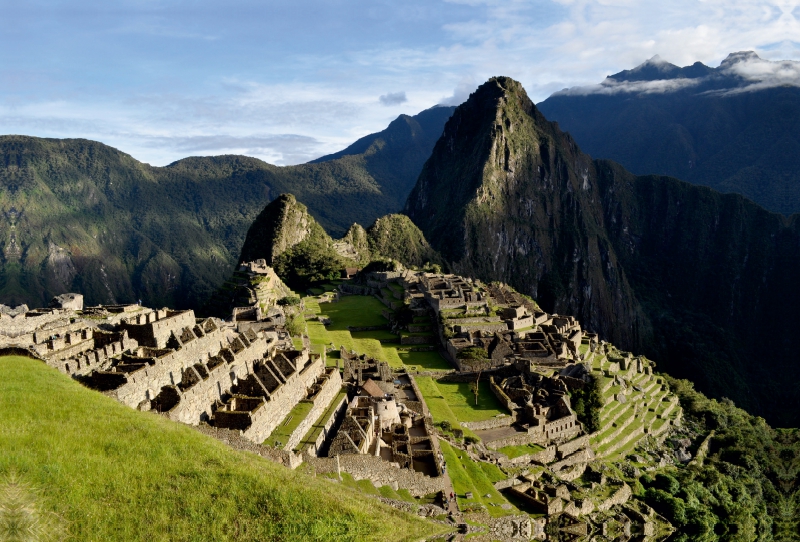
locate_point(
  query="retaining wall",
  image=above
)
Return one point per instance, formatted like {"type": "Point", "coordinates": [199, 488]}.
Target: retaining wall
{"type": "Point", "coordinates": [380, 473]}
{"type": "Point", "coordinates": [322, 401]}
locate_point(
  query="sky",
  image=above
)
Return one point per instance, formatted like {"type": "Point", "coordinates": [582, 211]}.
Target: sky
{"type": "Point", "coordinates": [290, 81]}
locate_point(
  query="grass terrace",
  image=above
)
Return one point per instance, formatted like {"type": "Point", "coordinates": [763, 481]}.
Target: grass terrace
{"type": "Point", "coordinates": [90, 468]}
{"type": "Point", "coordinates": [462, 401]}
{"type": "Point", "coordinates": [424, 360]}
{"type": "Point", "coordinates": [478, 478]}
{"type": "Point", "coordinates": [355, 311]}
{"type": "Point", "coordinates": [280, 436]}
{"type": "Point", "coordinates": [316, 429]}
{"type": "Point", "coordinates": [518, 451]}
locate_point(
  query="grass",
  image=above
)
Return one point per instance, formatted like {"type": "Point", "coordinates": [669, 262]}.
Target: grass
{"type": "Point", "coordinates": [425, 360]}
{"type": "Point", "coordinates": [109, 472]}
{"type": "Point", "coordinates": [282, 433]}
{"type": "Point", "coordinates": [313, 433]}
{"type": "Point", "coordinates": [377, 334]}
{"type": "Point", "coordinates": [355, 311]}
{"type": "Point", "coordinates": [517, 451]}
{"type": "Point", "coordinates": [437, 404]}
{"type": "Point", "coordinates": [365, 486]}
{"type": "Point", "coordinates": [469, 476]}
{"type": "Point", "coordinates": [462, 401]}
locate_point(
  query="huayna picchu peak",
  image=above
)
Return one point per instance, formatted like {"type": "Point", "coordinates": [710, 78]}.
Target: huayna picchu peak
{"type": "Point", "coordinates": [700, 281]}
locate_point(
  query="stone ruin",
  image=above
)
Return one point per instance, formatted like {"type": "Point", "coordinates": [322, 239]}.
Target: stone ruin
{"type": "Point", "coordinates": [386, 417]}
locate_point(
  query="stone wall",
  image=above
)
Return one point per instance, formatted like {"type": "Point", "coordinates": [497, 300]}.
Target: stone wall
{"type": "Point", "coordinates": [154, 329]}
{"type": "Point", "coordinates": [573, 445]}
{"type": "Point", "coordinates": [491, 423]}
{"type": "Point", "coordinates": [620, 496]}
{"type": "Point", "coordinates": [484, 327]}
{"type": "Point", "coordinates": [277, 406]}
{"type": "Point", "coordinates": [544, 457]}
{"type": "Point", "coordinates": [195, 402]}
{"type": "Point", "coordinates": [381, 473]}
{"type": "Point", "coordinates": [474, 320]}
{"type": "Point", "coordinates": [166, 369]}
{"type": "Point", "coordinates": [235, 440]}
{"type": "Point", "coordinates": [335, 417]}
{"type": "Point", "coordinates": [322, 400]}
{"type": "Point", "coordinates": [520, 439]}
{"type": "Point", "coordinates": [581, 456]}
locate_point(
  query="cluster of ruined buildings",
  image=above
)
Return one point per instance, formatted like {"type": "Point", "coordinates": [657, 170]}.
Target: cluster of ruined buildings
{"type": "Point", "coordinates": [247, 375]}
{"type": "Point", "coordinates": [244, 375]}
{"type": "Point", "coordinates": [387, 417]}
{"type": "Point", "coordinates": [190, 369]}
{"type": "Point", "coordinates": [481, 326]}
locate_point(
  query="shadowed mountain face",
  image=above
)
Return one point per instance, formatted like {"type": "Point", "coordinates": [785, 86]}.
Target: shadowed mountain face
{"type": "Point", "coordinates": [700, 281]}
{"type": "Point", "coordinates": [735, 128]}
{"type": "Point", "coordinates": [78, 215]}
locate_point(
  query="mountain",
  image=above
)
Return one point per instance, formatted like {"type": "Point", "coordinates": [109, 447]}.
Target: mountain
{"type": "Point", "coordinates": [78, 215]}
{"type": "Point", "coordinates": [700, 281]}
{"type": "Point", "coordinates": [396, 155]}
{"type": "Point", "coordinates": [302, 253]}
{"type": "Point", "coordinates": [734, 128]}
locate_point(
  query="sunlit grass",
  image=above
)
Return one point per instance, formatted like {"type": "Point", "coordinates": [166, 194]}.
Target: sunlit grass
{"type": "Point", "coordinates": [113, 473]}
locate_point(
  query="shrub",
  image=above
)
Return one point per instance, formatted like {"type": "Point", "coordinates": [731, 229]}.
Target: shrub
{"type": "Point", "coordinates": [473, 352]}
{"type": "Point", "coordinates": [289, 300]}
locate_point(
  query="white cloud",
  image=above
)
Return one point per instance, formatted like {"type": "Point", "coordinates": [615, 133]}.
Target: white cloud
{"type": "Point", "coordinates": [758, 73]}
{"type": "Point", "coordinates": [287, 108]}
{"type": "Point", "coordinates": [609, 87]}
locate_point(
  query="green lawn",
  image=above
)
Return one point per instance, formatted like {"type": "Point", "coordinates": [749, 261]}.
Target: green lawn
{"type": "Point", "coordinates": [375, 334]}
{"type": "Point", "coordinates": [469, 476]}
{"type": "Point", "coordinates": [437, 404]}
{"type": "Point", "coordinates": [86, 467]}
{"type": "Point", "coordinates": [354, 310]}
{"type": "Point", "coordinates": [425, 360]}
{"type": "Point", "coordinates": [517, 451]}
{"type": "Point", "coordinates": [282, 433]}
{"type": "Point", "coordinates": [462, 401]}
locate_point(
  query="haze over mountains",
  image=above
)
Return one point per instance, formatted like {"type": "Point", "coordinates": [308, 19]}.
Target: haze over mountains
{"type": "Point", "coordinates": [735, 128]}
{"type": "Point", "coordinates": [81, 216]}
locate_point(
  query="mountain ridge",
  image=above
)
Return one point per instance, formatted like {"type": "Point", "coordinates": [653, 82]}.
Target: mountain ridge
{"type": "Point", "coordinates": [733, 128]}
{"type": "Point", "coordinates": [79, 215]}
{"type": "Point", "coordinates": [638, 259]}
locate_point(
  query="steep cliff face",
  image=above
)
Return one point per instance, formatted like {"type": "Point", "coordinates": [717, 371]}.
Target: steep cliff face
{"type": "Point", "coordinates": [506, 196]}
{"type": "Point", "coordinates": [282, 224]}
{"type": "Point", "coordinates": [700, 281]}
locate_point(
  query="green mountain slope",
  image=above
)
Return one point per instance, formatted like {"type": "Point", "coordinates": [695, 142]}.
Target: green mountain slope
{"type": "Point", "coordinates": [706, 129]}
{"type": "Point", "coordinates": [302, 253]}
{"type": "Point", "coordinates": [78, 215]}
{"type": "Point", "coordinates": [83, 465]}
{"type": "Point", "coordinates": [699, 281]}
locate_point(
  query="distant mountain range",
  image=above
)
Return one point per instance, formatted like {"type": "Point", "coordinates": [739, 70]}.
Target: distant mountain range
{"type": "Point", "coordinates": [704, 283]}
{"type": "Point", "coordinates": [78, 215]}
{"type": "Point", "coordinates": [735, 128]}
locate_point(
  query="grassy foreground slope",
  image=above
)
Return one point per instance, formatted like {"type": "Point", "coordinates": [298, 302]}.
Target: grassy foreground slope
{"type": "Point", "coordinates": [97, 470]}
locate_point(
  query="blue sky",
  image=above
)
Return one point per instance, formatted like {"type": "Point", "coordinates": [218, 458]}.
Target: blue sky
{"type": "Point", "coordinates": [290, 81]}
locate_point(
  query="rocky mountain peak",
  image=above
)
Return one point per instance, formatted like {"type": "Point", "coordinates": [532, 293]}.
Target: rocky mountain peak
{"type": "Point", "coordinates": [282, 224]}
